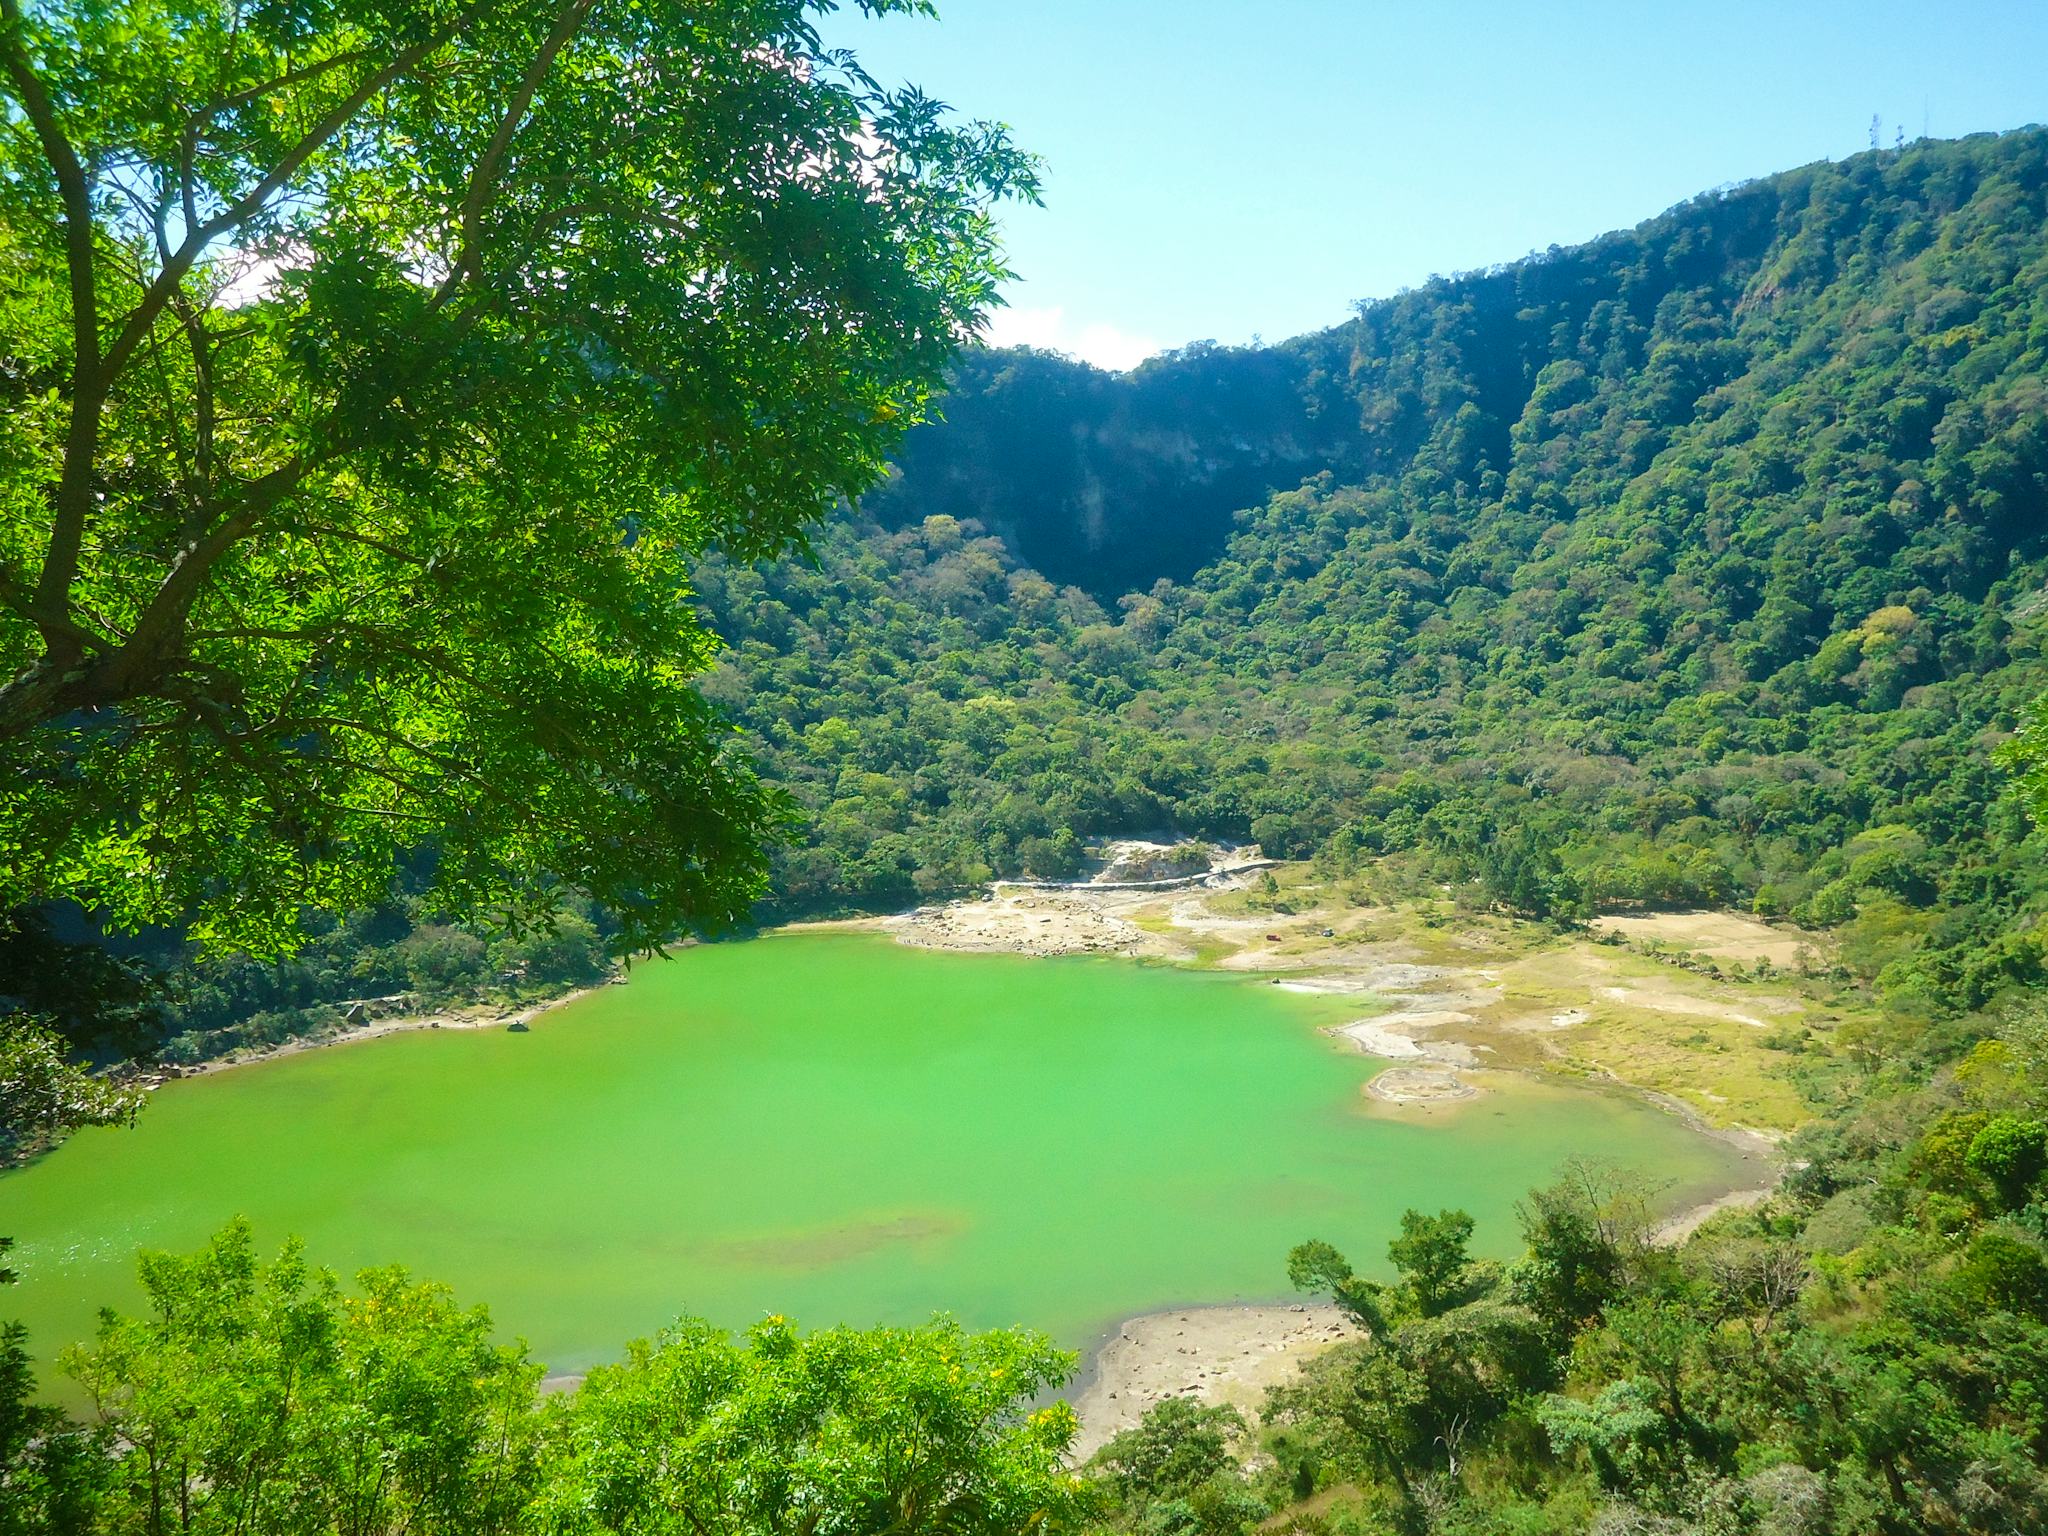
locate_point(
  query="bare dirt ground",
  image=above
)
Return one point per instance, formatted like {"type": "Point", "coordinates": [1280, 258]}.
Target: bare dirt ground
{"type": "Point", "coordinates": [1029, 921]}
{"type": "Point", "coordinates": [1232, 1354]}
{"type": "Point", "coordinates": [1084, 918]}
{"type": "Point", "coordinates": [1729, 936]}
{"type": "Point", "coordinates": [1421, 1085]}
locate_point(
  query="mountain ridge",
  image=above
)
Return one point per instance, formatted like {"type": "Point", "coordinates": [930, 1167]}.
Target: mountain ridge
{"type": "Point", "coordinates": [1363, 368]}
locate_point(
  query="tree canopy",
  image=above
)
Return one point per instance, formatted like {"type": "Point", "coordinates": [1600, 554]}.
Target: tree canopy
{"type": "Point", "coordinates": [375, 374]}
{"type": "Point", "coordinates": [264, 1396]}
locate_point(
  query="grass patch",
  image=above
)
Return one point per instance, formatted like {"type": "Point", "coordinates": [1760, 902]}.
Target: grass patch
{"type": "Point", "coordinates": [1686, 1036]}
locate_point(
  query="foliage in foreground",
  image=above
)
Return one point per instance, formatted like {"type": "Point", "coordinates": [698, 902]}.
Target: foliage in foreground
{"type": "Point", "coordinates": [376, 373]}
{"type": "Point", "coordinates": [1862, 1357]}
{"type": "Point", "coordinates": [44, 1094]}
{"type": "Point", "coordinates": [254, 1396]}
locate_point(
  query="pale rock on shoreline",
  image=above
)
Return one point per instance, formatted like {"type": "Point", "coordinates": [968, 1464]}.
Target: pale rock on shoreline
{"type": "Point", "coordinates": [1215, 1354]}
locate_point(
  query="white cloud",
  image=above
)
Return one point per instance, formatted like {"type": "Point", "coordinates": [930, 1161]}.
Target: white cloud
{"type": "Point", "coordinates": [1049, 328]}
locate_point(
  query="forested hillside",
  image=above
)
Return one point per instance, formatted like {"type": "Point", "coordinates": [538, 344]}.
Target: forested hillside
{"type": "Point", "coordinates": [1707, 562]}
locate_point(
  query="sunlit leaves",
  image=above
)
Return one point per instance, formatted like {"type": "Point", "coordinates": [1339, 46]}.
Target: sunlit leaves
{"type": "Point", "coordinates": [253, 1395]}
{"type": "Point", "coordinates": [43, 1094]}
{"type": "Point", "coordinates": [390, 549]}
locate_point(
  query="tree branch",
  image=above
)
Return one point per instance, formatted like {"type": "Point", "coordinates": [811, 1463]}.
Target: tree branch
{"type": "Point", "coordinates": [196, 240]}
{"type": "Point", "coordinates": [73, 497]}
{"type": "Point", "coordinates": [21, 599]}
{"type": "Point", "coordinates": [94, 371]}
{"type": "Point", "coordinates": [353, 536]}
{"type": "Point", "coordinates": [205, 422]}
{"type": "Point", "coordinates": [483, 180]}
{"type": "Point", "coordinates": [425, 655]}
{"type": "Point", "coordinates": [398, 742]}
{"type": "Point", "coordinates": [165, 615]}
{"type": "Point", "coordinates": [214, 718]}
{"type": "Point", "coordinates": [299, 76]}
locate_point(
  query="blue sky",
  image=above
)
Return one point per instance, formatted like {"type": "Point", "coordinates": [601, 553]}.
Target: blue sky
{"type": "Point", "coordinates": [1228, 170]}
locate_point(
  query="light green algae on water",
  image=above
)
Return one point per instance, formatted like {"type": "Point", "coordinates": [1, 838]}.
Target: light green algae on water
{"type": "Point", "coordinates": [834, 1127]}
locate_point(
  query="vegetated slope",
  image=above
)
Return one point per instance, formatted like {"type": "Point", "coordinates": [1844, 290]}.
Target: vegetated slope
{"type": "Point", "coordinates": [1707, 562]}
{"type": "Point", "coordinates": [1704, 562]}
{"type": "Point", "coordinates": [1111, 481]}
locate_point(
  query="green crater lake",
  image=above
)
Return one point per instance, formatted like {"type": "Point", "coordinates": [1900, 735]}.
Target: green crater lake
{"type": "Point", "coordinates": [831, 1126]}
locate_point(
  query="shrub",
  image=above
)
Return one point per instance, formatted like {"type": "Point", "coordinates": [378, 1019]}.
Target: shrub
{"type": "Point", "coordinates": [2011, 1152]}
{"type": "Point", "coordinates": [439, 961]}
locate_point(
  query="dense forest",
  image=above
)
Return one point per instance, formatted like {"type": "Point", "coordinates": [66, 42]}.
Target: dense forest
{"type": "Point", "coordinates": [1707, 563]}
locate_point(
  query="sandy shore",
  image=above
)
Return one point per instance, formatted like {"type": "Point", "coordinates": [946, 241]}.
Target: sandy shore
{"type": "Point", "coordinates": [1099, 917]}
{"type": "Point", "coordinates": [1674, 1230]}
{"type": "Point", "coordinates": [1428, 1073]}
{"type": "Point", "coordinates": [1765, 1165]}
{"type": "Point", "coordinates": [1420, 1085]}
{"type": "Point", "coordinates": [1237, 1353]}
{"type": "Point", "coordinates": [1218, 1354]}
{"type": "Point", "coordinates": [1030, 920]}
